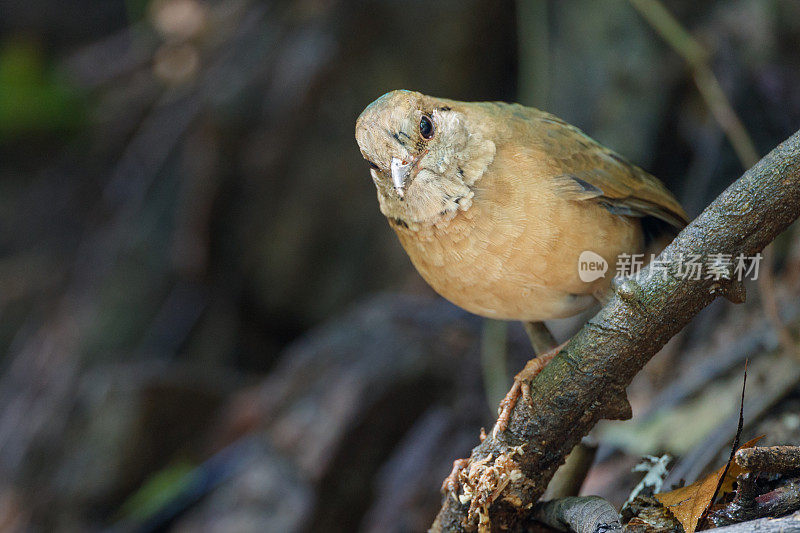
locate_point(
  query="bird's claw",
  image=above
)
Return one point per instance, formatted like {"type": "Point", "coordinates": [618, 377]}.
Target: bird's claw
{"type": "Point", "coordinates": [521, 387]}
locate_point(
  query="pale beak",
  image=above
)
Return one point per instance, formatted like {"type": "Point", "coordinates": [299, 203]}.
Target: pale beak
{"type": "Point", "coordinates": [400, 171]}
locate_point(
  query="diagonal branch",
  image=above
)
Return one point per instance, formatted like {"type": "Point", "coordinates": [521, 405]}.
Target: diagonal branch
{"type": "Point", "coordinates": [586, 382]}
{"type": "Point", "coordinates": [710, 89]}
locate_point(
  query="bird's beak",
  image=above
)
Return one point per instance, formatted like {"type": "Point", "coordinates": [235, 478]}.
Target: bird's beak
{"type": "Point", "coordinates": [401, 170]}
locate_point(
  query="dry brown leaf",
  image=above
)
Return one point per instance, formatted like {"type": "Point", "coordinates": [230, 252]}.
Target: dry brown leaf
{"type": "Point", "coordinates": [689, 503]}
{"type": "Point", "coordinates": [735, 470]}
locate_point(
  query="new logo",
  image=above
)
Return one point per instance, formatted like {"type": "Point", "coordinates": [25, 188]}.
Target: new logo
{"type": "Point", "coordinates": [591, 266]}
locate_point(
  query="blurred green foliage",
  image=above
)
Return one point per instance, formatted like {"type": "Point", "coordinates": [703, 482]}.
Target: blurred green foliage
{"type": "Point", "coordinates": [159, 489]}
{"type": "Point", "coordinates": [34, 98]}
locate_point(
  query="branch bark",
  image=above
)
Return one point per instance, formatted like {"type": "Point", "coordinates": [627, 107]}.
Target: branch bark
{"type": "Point", "coordinates": [787, 524]}
{"type": "Point", "coordinates": [586, 382]}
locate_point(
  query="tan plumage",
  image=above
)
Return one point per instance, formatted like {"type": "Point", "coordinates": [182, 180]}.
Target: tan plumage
{"type": "Point", "coordinates": [495, 208]}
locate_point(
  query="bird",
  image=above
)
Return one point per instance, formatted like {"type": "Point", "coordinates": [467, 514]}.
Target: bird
{"type": "Point", "coordinates": [495, 202]}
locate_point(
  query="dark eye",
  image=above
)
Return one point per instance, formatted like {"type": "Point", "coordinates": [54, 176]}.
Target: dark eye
{"type": "Point", "coordinates": [426, 127]}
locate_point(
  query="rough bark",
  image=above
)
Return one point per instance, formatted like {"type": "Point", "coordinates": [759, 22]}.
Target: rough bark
{"type": "Point", "coordinates": [770, 459]}
{"type": "Point", "coordinates": [586, 382]}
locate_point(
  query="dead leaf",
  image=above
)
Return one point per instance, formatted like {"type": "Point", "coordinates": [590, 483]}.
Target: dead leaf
{"type": "Point", "coordinates": [689, 503]}
{"type": "Point", "coordinates": [735, 470]}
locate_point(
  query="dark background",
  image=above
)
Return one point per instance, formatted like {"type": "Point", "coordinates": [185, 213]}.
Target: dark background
{"type": "Point", "coordinates": [206, 323]}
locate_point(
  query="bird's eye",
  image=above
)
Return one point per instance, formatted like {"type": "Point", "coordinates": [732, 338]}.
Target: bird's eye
{"type": "Point", "coordinates": [373, 165]}
{"type": "Point", "coordinates": [426, 127]}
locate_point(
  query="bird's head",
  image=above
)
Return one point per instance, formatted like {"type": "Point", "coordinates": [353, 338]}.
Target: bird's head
{"type": "Point", "coordinates": [424, 155]}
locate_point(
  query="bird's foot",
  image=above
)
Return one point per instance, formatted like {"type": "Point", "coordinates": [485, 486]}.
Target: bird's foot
{"type": "Point", "coordinates": [521, 387]}
{"type": "Point", "coordinates": [450, 483]}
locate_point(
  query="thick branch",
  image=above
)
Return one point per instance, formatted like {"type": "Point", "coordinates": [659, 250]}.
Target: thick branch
{"type": "Point", "coordinates": [586, 381]}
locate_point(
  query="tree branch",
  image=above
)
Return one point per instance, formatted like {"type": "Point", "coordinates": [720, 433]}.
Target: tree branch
{"type": "Point", "coordinates": [586, 381]}
{"type": "Point", "coordinates": [765, 525]}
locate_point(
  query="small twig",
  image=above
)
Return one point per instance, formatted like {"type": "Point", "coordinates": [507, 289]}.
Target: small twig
{"type": "Point", "coordinates": [735, 446]}
{"type": "Point", "coordinates": [711, 91]}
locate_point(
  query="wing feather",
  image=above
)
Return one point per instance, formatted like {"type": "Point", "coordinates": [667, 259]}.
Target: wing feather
{"type": "Point", "coordinates": [588, 171]}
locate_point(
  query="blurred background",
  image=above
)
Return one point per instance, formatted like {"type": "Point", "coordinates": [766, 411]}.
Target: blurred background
{"type": "Point", "coordinates": [207, 325]}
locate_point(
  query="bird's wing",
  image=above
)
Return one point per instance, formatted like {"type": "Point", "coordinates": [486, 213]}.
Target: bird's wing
{"type": "Point", "coordinates": [586, 170]}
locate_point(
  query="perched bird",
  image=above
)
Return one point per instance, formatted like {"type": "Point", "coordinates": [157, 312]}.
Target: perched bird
{"type": "Point", "coordinates": [495, 203]}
